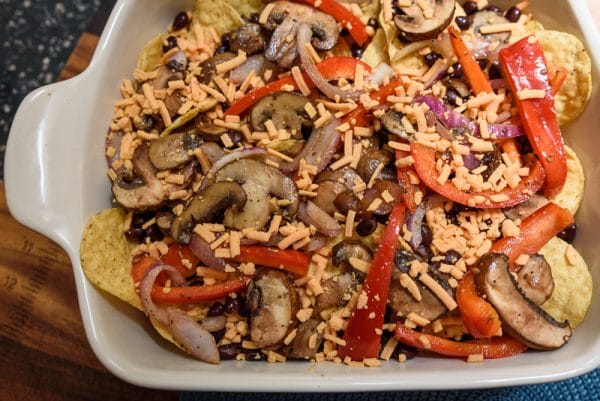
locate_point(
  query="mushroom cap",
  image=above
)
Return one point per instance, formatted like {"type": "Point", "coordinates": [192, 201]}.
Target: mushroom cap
{"type": "Point", "coordinates": [415, 26]}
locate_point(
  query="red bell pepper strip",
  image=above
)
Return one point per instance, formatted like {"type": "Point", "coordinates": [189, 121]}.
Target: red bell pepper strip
{"type": "Point", "coordinates": [536, 230]}
{"type": "Point", "coordinates": [361, 339]}
{"type": "Point", "coordinates": [176, 254]}
{"type": "Point", "coordinates": [493, 348]}
{"type": "Point", "coordinates": [290, 260]}
{"type": "Point", "coordinates": [425, 167]}
{"type": "Point", "coordinates": [408, 188]}
{"type": "Point", "coordinates": [525, 67]}
{"type": "Point", "coordinates": [140, 265]}
{"type": "Point", "coordinates": [342, 15]}
{"type": "Point", "coordinates": [478, 315]}
{"type": "Point", "coordinates": [475, 76]}
{"type": "Point", "coordinates": [198, 293]}
{"type": "Point", "coordinates": [331, 68]}
{"type": "Point", "coordinates": [361, 117]}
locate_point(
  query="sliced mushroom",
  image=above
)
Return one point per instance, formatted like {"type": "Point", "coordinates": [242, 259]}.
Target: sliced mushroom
{"type": "Point", "coordinates": [403, 302]}
{"type": "Point", "coordinates": [260, 183]}
{"type": "Point", "coordinates": [342, 252]}
{"type": "Point", "coordinates": [247, 38]}
{"type": "Point", "coordinates": [208, 68]}
{"type": "Point", "coordinates": [173, 150]}
{"type": "Point", "coordinates": [326, 195]}
{"type": "Point", "coordinates": [273, 304]}
{"type": "Point", "coordinates": [415, 25]}
{"type": "Point", "coordinates": [206, 206]}
{"type": "Point", "coordinates": [284, 20]}
{"type": "Point", "coordinates": [300, 347]}
{"type": "Point", "coordinates": [375, 192]}
{"type": "Point", "coordinates": [392, 122]}
{"type": "Point", "coordinates": [286, 110]}
{"type": "Point", "coordinates": [526, 208]}
{"type": "Point", "coordinates": [336, 291]}
{"type": "Point", "coordinates": [347, 176]}
{"type": "Point", "coordinates": [145, 192]}
{"type": "Point", "coordinates": [522, 318]}
{"type": "Point", "coordinates": [165, 75]}
{"type": "Point", "coordinates": [371, 159]}
{"type": "Point", "coordinates": [535, 279]}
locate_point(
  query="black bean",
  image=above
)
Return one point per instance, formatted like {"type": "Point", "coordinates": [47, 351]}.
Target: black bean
{"type": "Point", "coordinates": [495, 71]}
{"type": "Point", "coordinates": [425, 252]}
{"type": "Point", "coordinates": [373, 23]}
{"type": "Point", "coordinates": [513, 14]}
{"type": "Point", "coordinates": [229, 351]}
{"type": "Point", "coordinates": [226, 39]}
{"type": "Point", "coordinates": [254, 356]}
{"type": "Point", "coordinates": [452, 97]}
{"type": "Point", "coordinates": [216, 309]}
{"type": "Point", "coordinates": [236, 137]}
{"type": "Point", "coordinates": [402, 260]}
{"type": "Point", "coordinates": [482, 63]}
{"type": "Point", "coordinates": [470, 7]}
{"type": "Point", "coordinates": [569, 233]}
{"type": "Point", "coordinates": [243, 308]}
{"type": "Point", "coordinates": [356, 50]}
{"type": "Point", "coordinates": [181, 21]}
{"type": "Point", "coordinates": [175, 66]}
{"type": "Point", "coordinates": [136, 234]}
{"type": "Point", "coordinates": [232, 305]}
{"type": "Point", "coordinates": [221, 49]}
{"type": "Point", "coordinates": [463, 22]}
{"type": "Point", "coordinates": [451, 257]}
{"type": "Point", "coordinates": [523, 141]}
{"type": "Point", "coordinates": [493, 8]}
{"type": "Point", "coordinates": [219, 334]}
{"type": "Point", "coordinates": [366, 226]}
{"type": "Point", "coordinates": [426, 235]}
{"type": "Point", "coordinates": [171, 43]}
{"type": "Point", "coordinates": [457, 71]}
{"type": "Point", "coordinates": [154, 233]}
{"type": "Point", "coordinates": [431, 58]}
{"type": "Point", "coordinates": [254, 17]}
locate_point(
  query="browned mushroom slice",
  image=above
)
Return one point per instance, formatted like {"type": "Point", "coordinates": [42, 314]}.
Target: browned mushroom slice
{"type": "Point", "coordinates": [145, 192]}
{"type": "Point", "coordinates": [300, 347]}
{"type": "Point", "coordinates": [376, 193]}
{"type": "Point", "coordinates": [392, 122]}
{"type": "Point", "coordinates": [535, 279]}
{"type": "Point", "coordinates": [526, 208]}
{"type": "Point", "coordinates": [369, 163]}
{"type": "Point", "coordinates": [273, 304]}
{"type": "Point", "coordinates": [205, 207]}
{"type": "Point", "coordinates": [347, 176]}
{"type": "Point", "coordinates": [416, 23]}
{"type": "Point", "coordinates": [522, 318]}
{"type": "Point", "coordinates": [165, 75]}
{"type": "Point", "coordinates": [173, 150]}
{"type": "Point", "coordinates": [286, 110]}
{"type": "Point", "coordinates": [247, 38]}
{"type": "Point", "coordinates": [208, 68]}
{"type": "Point", "coordinates": [260, 182]}
{"type": "Point", "coordinates": [345, 250]}
{"type": "Point", "coordinates": [336, 291]}
{"type": "Point", "coordinates": [311, 214]}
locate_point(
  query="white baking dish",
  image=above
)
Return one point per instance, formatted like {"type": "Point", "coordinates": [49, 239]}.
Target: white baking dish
{"type": "Point", "coordinates": [55, 180]}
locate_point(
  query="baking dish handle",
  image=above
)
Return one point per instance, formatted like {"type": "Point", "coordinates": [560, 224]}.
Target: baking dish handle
{"type": "Point", "coordinates": [27, 171]}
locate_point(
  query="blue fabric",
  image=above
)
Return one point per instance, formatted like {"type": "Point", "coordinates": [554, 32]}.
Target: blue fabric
{"type": "Point", "coordinates": [582, 388]}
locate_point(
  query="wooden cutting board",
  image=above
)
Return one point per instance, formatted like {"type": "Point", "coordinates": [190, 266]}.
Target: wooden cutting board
{"type": "Point", "coordinates": [44, 353]}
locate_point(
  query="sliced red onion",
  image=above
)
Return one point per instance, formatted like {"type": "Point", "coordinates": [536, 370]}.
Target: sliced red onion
{"type": "Point", "coordinates": [229, 158]}
{"type": "Point", "coordinates": [317, 242]}
{"type": "Point", "coordinates": [113, 141]}
{"type": "Point", "coordinates": [160, 314]}
{"type": "Point", "coordinates": [470, 161]}
{"type": "Point", "coordinates": [192, 337]}
{"type": "Point", "coordinates": [451, 119]}
{"type": "Point", "coordinates": [212, 151]}
{"type": "Point", "coordinates": [318, 150]}
{"type": "Point", "coordinates": [331, 91]}
{"type": "Point", "coordinates": [254, 63]}
{"type": "Point", "coordinates": [202, 250]}
{"type": "Point", "coordinates": [213, 323]}
{"type": "Point", "coordinates": [377, 76]}
{"type": "Point", "coordinates": [414, 223]}
{"type": "Point", "coordinates": [310, 213]}
{"type": "Point", "coordinates": [498, 83]}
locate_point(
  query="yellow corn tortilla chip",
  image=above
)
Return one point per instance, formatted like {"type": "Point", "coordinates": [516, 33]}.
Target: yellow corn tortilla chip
{"type": "Point", "coordinates": [572, 293]}
{"type": "Point", "coordinates": [376, 52]}
{"type": "Point", "coordinates": [572, 193]}
{"type": "Point", "coordinates": [205, 105]}
{"type": "Point", "coordinates": [106, 259]}
{"type": "Point", "coordinates": [563, 50]}
{"type": "Point", "coordinates": [216, 14]}
{"type": "Point", "coordinates": [246, 7]}
{"type": "Point", "coordinates": [151, 54]}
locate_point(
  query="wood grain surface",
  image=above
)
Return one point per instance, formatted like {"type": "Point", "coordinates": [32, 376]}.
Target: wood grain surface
{"type": "Point", "coordinates": [44, 353]}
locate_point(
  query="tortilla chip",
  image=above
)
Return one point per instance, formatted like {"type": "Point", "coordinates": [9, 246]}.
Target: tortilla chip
{"type": "Point", "coordinates": [572, 284]}
{"type": "Point", "coordinates": [151, 55]}
{"type": "Point", "coordinates": [371, 9]}
{"type": "Point", "coordinates": [377, 51]}
{"type": "Point", "coordinates": [216, 14]}
{"type": "Point", "coordinates": [563, 50]}
{"type": "Point", "coordinates": [205, 105]}
{"type": "Point", "coordinates": [106, 259]}
{"type": "Point", "coordinates": [246, 7]}
{"type": "Point", "coordinates": [572, 193]}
